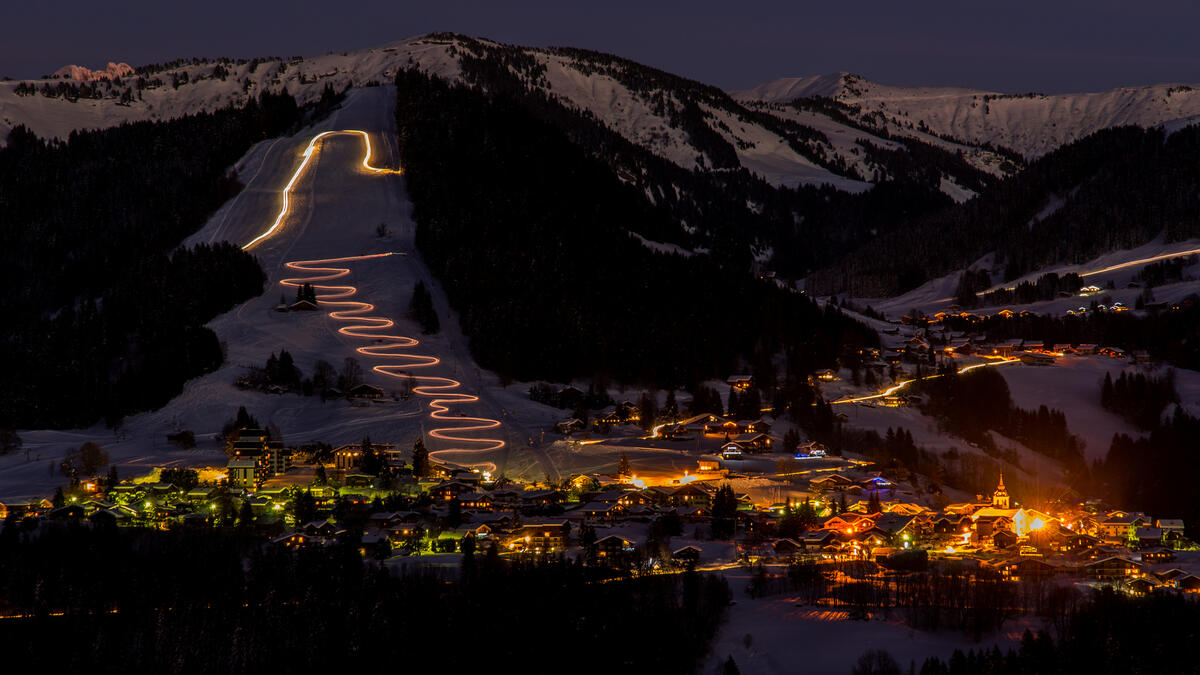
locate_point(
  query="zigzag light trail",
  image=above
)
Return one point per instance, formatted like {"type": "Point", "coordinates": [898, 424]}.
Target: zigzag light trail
{"type": "Point", "coordinates": [362, 324]}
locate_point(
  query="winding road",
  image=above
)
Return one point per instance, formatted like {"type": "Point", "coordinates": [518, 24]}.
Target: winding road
{"type": "Point", "coordinates": [361, 323]}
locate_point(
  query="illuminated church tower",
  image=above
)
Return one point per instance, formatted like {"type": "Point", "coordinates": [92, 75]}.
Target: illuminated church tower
{"type": "Point", "coordinates": [1000, 496]}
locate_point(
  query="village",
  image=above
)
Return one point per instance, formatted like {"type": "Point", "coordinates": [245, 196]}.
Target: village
{"type": "Point", "coordinates": [397, 505]}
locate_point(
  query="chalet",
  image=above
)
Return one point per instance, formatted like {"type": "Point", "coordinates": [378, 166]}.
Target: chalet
{"type": "Point", "coordinates": [731, 451]}
{"type": "Point", "coordinates": [303, 306]}
{"type": "Point", "coordinates": [541, 497]}
{"type": "Point", "coordinates": [1006, 348]}
{"type": "Point", "coordinates": [811, 449]}
{"type": "Point", "coordinates": [540, 537]}
{"type": "Point", "coordinates": [951, 524]}
{"type": "Point", "coordinates": [1033, 345]}
{"type": "Point", "coordinates": [876, 483]}
{"type": "Point", "coordinates": [893, 525]}
{"type": "Point", "coordinates": [1062, 348]}
{"type": "Point", "coordinates": [689, 495]}
{"type": "Point", "coordinates": [599, 511]}
{"type": "Point", "coordinates": [833, 481]}
{"type": "Point", "coordinates": [615, 546]}
{"type": "Point", "coordinates": [1148, 536]}
{"type": "Point", "coordinates": [1087, 348]}
{"type": "Point", "coordinates": [448, 490]}
{"type": "Point", "coordinates": [740, 382]}
{"type": "Point", "coordinates": [758, 426]}
{"type": "Point", "coordinates": [708, 465]}
{"type": "Point", "coordinates": [295, 540]}
{"type": "Point", "coordinates": [1037, 359]}
{"type": "Point", "coordinates": [1112, 567]}
{"type": "Point", "coordinates": [567, 427]}
{"type": "Point", "coordinates": [320, 528]}
{"type": "Point", "coordinates": [847, 523]}
{"type": "Point", "coordinates": [476, 501]}
{"type": "Point", "coordinates": [1029, 568]}
{"type": "Point", "coordinates": [818, 539]}
{"type": "Point", "coordinates": [749, 443]}
{"type": "Point", "coordinates": [1120, 527]}
{"type": "Point", "coordinates": [687, 554]}
{"type": "Point", "coordinates": [1113, 353]}
{"type": "Point", "coordinates": [1172, 527]}
{"type": "Point", "coordinates": [609, 417]}
{"type": "Point", "coordinates": [1158, 554]}
{"type": "Point", "coordinates": [786, 548]}
{"type": "Point", "coordinates": [367, 391]}
{"type": "Point", "coordinates": [1004, 539]}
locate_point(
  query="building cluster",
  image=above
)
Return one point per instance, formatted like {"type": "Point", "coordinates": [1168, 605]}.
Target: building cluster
{"type": "Point", "coordinates": [1018, 542]}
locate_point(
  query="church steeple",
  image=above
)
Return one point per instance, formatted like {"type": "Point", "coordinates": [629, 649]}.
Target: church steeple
{"type": "Point", "coordinates": [1000, 496]}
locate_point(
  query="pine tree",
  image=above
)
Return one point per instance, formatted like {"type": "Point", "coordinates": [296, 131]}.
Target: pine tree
{"type": "Point", "coordinates": [421, 466]}
{"type": "Point", "coordinates": [623, 466]}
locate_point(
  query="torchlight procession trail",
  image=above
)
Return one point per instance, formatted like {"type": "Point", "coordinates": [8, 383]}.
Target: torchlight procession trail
{"type": "Point", "coordinates": [362, 325]}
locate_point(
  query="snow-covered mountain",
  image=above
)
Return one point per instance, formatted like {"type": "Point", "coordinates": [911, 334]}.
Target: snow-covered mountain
{"type": "Point", "coordinates": [1029, 124]}
{"type": "Point", "coordinates": [112, 71]}
{"type": "Point", "coordinates": [654, 110]}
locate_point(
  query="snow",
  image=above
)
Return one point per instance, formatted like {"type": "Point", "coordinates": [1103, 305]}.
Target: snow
{"type": "Point", "coordinates": [955, 191]}
{"type": "Point", "coordinates": [305, 79]}
{"type": "Point", "coordinates": [1031, 124]}
{"type": "Point", "coordinates": [1072, 385]}
{"type": "Point", "coordinates": [779, 634]}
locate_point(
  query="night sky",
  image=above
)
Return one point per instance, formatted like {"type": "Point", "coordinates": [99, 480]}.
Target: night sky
{"type": "Point", "coordinates": [1012, 46]}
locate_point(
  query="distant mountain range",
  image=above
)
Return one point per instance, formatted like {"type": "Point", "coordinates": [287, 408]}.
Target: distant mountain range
{"type": "Point", "coordinates": [1030, 124]}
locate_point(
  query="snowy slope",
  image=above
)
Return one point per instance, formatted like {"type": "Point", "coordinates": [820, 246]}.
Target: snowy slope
{"type": "Point", "coordinates": [647, 119]}
{"type": "Point", "coordinates": [303, 78]}
{"type": "Point", "coordinates": [1030, 124]}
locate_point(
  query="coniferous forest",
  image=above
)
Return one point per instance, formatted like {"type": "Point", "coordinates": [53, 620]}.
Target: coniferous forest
{"type": "Point", "coordinates": [105, 314]}
{"type": "Point", "coordinates": [1115, 189]}
{"type": "Point", "coordinates": [127, 600]}
{"type": "Point", "coordinates": [530, 236]}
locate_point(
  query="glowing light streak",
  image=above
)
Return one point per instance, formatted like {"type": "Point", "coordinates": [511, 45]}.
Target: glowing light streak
{"type": "Point", "coordinates": [309, 153]}
{"type": "Point", "coordinates": [362, 325]}
{"type": "Point", "coordinates": [897, 387]}
{"type": "Point", "coordinates": [438, 389]}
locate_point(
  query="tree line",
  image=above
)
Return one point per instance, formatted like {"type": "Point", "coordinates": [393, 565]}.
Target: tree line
{"type": "Point", "coordinates": [146, 601]}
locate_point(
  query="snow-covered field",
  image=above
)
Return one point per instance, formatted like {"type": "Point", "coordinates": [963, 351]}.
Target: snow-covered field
{"type": "Point", "coordinates": [778, 634]}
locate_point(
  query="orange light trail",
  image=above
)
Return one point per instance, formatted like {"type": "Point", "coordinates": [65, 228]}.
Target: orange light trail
{"type": "Point", "coordinates": [438, 389]}
{"type": "Point", "coordinates": [897, 387]}
{"type": "Point", "coordinates": [309, 152]}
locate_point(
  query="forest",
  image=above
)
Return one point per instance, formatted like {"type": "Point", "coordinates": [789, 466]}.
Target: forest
{"type": "Point", "coordinates": [726, 209]}
{"type": "Point", "coordinates": [126, 600]}
{"type": "Point", "coordinates": [1115, 189]}
{"type": "Point", "coordinates": [105, 314]}
{"type": "Point", "coordinates": [553, 286]}
{"type": "Point", "coordinates": [975, 403]}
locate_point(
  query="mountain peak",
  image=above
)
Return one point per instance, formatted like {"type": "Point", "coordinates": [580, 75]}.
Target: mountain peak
{"type": "Point", "coordinates": [114, 70]}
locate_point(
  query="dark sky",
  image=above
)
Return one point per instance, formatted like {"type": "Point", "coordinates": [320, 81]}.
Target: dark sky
{"type": "Point", "coordinates": [1012, 46]}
